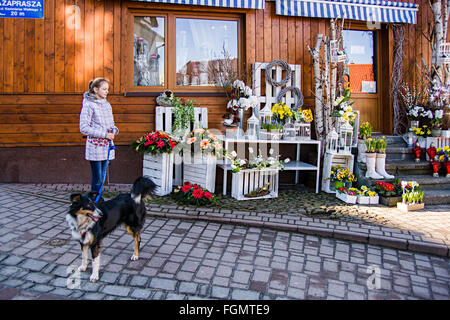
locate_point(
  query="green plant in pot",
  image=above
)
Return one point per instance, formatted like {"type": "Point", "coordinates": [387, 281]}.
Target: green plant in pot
{"type": "Point", "coordinates": [184, 115]}
{"type": "Point", "coordinates": [365, 131]}
{"type": "Point", "coordinates": [436, 123]}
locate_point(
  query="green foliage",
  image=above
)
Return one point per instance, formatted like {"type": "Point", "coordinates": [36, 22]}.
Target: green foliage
{"type": "Point", "coordinates": [184, 114]}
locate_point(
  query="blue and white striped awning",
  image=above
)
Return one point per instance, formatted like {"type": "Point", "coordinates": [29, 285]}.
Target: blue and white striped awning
{"type": "Point", "coordinates": [365, 10]}
{"type": "Point", "coordinates": [246, 4]}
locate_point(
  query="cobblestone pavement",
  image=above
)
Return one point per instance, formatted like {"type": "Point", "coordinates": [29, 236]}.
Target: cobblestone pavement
{"type": "Point", "coordinates": [184, 257]}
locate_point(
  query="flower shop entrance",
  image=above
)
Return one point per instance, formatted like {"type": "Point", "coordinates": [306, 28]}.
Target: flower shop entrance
{"type": "Point", "coordinates": [361, 47]}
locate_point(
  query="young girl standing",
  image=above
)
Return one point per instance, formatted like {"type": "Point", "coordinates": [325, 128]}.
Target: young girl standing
{"type": "Point", "coordinates": [97, 123]}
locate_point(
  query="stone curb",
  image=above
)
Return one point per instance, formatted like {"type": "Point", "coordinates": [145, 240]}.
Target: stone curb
{"type": "Point", "coordinates": [395, 243]}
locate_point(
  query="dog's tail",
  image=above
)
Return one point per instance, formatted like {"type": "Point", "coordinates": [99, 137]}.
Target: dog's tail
{"type": "Point", "coordinates": [142, 187]}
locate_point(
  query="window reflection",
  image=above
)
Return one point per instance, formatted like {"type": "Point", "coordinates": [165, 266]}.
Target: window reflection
{"type": "Point", "coordinates": [148, 51]}
{"type": "Point", "coordinates": [360, 69]}
{"type": "Point", "coordinates": [201, 46]}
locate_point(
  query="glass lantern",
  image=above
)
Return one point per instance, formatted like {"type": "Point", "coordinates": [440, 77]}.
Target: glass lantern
{"type": "Point", "coordinates": [289, 132]}
{"type": "Point", "coordinates": [332, 142]}
{"type": "Point", "coordinates": [253, 127]}
{"type": "Point", "coordinates": [266, 114]}
{"type": "Point", "coordinates": [345, 138]}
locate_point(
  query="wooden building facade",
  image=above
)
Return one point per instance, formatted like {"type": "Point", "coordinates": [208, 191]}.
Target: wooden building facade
{"type": "Point", "coordinates": [46, 64]}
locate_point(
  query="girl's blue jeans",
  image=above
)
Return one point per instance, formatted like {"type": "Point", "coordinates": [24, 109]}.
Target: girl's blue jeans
{"type": "Point", "coordinates": [98, 169]}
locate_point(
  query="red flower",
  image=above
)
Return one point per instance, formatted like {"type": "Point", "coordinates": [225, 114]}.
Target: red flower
{"type": "Point", "coordinates": [197, 193]}
{"type": "Point", "coordinates": [207, 195]}
{"type": "Point", "coordinates": [186, 188]}
{"type": "Point", "coordinates": [160, 144]}
{"type": "Point", "coordinates": [172, 143]}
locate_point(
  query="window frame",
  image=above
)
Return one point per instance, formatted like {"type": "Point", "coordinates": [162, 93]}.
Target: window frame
{"type": "Point", "coordinates": [170, 46]}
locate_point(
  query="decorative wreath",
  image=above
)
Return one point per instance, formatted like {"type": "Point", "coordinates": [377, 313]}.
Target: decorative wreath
{"type": "Point", "coordinates": [285, 66]}
{"type": "Point", "coordinates": [296, 92]}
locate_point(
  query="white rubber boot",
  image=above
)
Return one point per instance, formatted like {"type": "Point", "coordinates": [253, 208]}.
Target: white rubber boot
{"type": "Point", "coordinates": [380, 166]}
{"type": "Point", "coordinates": [370, 163]}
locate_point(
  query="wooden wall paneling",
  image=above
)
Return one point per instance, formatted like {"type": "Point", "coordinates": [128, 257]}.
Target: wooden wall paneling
{"type": "Point", "coordinates": [307, 76]}
{"type": "Point", "coordinates": [259, 36]}
{"type": "Point", "coordinates": [291, 36]}
{"type": "Point", "coordinates": [99, 38]}
{"type": "Point", "coordinates": [250, 43]}
{"type": "Point", "coordinates": [274, 39]}
{"type": "Point", "coordinates": [283, 39]}
{"type": "Point", "coordinates": [49, 46]}
{"type": "Point", "coordinates": [299, 44]}
{"type": "Point", "coordinates": [59, 45]}
{"type": "Point", "coordinates": [116, 57]}
{"type": "Point", "coordinates": [2, 70]}
{"type": "Point", "coordinates": [108, 65]}
{"type": "Point", "coordinates": [29, 56]}
{"type": "Point", "coordinates": [89, 29]}
{"type": "Point", "coordinates": [125, 62]}
{"type": "Point", "coordinates": [80, 44]}
{"type": "Point", "coordinates": [8, 55]}
{"type": "Point", "coordinates": [39, 58]}
{"type": "Point", "coordinates": [69, 46]}
{"type": "Point", "coordinates": [19, 55]}
{"type": "Point", "coordinates": [267, 34]}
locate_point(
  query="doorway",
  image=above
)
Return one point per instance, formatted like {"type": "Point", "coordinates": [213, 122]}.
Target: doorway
{"type": "Point", "coordinates": [361, 70]}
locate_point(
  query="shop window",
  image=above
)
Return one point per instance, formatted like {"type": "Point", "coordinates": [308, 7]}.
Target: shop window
{"type": "Point", "coordinates": [360, 70]}
{"type": "Point", "coordinates": [177, 51]}
{"type": "Point", "coordinates": [148, 51]}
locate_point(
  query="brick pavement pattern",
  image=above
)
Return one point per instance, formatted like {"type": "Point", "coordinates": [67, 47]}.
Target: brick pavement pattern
{"type": "Point", "coordinates": [198, 259]}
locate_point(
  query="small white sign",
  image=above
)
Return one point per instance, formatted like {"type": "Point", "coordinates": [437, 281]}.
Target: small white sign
{"type": "Point", "coordinates": [369, 86]}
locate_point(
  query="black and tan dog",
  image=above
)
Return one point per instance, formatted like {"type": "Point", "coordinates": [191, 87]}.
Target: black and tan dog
{"type": "Point", "coordinates": [90, 222]}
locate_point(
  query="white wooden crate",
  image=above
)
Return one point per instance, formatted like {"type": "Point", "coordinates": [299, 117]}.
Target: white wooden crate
{"type": "Point", "coordinates": [200, 170]}
{"type": "Point", "coordinates": [248, 180]}
{"type": "Point", "coordinates": [269, 97]}
{"type": "Point", "coordinates": [163, 122]}
{"type": "Point", "coordinates": [331, 160]}
{"type": "Point", "coordinates": [160, 169]}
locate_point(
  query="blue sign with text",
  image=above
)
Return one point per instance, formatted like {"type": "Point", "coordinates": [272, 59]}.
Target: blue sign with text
{"type": "Point", "coordinates": [33, 9]}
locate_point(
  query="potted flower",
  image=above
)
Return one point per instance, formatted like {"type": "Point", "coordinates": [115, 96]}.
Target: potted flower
{"type": "Point", "coordinates": [371, 158]}
{"type": "Point", "coordinates": [389, 193]}
{"type": "Point", "coordinates": [367, 196]}
{"type": "Point", "coordinates": [165, 99]}
{"type": "Point", "coordinates": [157, 148]}
{"type": "Point", "coordinates": [436, 123]}
{"type": "Point", "coordinates": [193, 194]}
{"type": "Point", "coordinates": [242, 99]}
{"type": "Point", "coordinates": [347, 195]}
{"type": "Point", "coordinates": [380, 165]}
{"type": "Point", "coordinates": [422, 133]}
{"type": "Point", "coordinates": [365, 131]}
{"type": "Point", "coordinates": [302, 125]}
{"type": "Point", "coordinates": [201, 148]}
{"type": "Point", "coordinates": [414, 114]}
{"type": "Point", "coordinates": [281, 113]}
{"type": "Point", "coordinates": [341, 176]}
{"type": "Point", "coordinates": [443, 155]}
{"type": "Point", "coordinates": [412, 197]}
{"type": "Point", "coordinates": [271, 131]}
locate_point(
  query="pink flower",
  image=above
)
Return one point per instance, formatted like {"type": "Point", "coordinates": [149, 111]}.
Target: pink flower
{"type": "Point", "coordinates": [191, 140]}
{"type": "Point", "coordinates": [204, 144]}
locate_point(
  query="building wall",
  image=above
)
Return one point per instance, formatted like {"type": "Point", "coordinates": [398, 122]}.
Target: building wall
{"type": "Point", "coordinates": [45, 66]}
